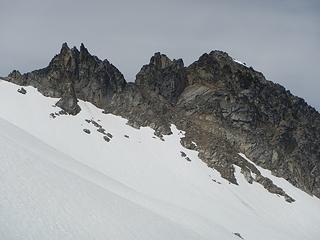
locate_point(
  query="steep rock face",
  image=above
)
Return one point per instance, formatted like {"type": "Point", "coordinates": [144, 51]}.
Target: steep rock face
{"type": "Point", "coordinates": [223, 106]}
{"type": "Point", "coordinates": [142, 107]}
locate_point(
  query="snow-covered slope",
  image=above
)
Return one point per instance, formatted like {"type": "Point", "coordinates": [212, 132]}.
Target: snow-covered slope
{"type": "Point", "coordinates": [59, 182]}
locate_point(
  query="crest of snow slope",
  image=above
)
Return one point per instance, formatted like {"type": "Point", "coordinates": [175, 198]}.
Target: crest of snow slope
{"type": "Point", "coordinates": [139, 173]}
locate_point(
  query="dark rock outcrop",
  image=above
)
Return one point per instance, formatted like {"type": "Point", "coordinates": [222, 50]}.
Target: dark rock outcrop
{"type": "Point", "coordinates": [87, 131]}
{"type": "Point", "coordinates": [223, 106]}
{"type": "Point", "coordinates": [22, 90]}
{"type": "Point", "coordinates": [69, 101]}
{"type": "Point", "coordinates": [106, 139]}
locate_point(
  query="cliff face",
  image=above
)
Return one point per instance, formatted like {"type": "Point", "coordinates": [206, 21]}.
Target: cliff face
{"type": "Point", "coordinates": [223, 106]}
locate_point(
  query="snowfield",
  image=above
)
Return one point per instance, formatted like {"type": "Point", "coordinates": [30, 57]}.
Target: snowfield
{"type": "Point", "coordinates": [59, 182]}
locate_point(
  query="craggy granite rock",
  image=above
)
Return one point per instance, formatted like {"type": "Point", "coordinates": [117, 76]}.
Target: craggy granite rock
{"type": "Point", "coordinates": [271, 126]}
{"type": "Point", "coordinates": [163, 76]}
{"type": "Point", "coordinates": [22, 90]}
{"type": "Point", "coordinates": [74, 74]}
{"type": "Point", "coordinates": [223, 106]}
{"type": "Point", "coordinates": [142, 107]}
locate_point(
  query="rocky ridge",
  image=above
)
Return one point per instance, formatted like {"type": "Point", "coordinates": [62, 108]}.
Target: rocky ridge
{"type": "Point", "coordinates": [223, 106]}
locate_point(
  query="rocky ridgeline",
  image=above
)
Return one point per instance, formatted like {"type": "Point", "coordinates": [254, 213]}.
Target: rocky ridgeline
{"type": "Point", "coordinates": [223, 106]}
{"type": "Point", "coordinates": [74, 74]}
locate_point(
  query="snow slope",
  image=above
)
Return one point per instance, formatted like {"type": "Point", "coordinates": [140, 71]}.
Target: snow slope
{"type": "Point", "coordinates": [59, 182]}
{"type": "Point", "coordinates": [42, 200]}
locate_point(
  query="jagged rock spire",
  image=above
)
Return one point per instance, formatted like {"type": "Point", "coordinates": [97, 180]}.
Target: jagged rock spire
{"type": "Point", "coordinates": [83, 48]}
{"type": "Point", "coordinates": [64, 48]}
{"type": "Point", "coordinates": [74, 74]}
{"type": "Point", "coordinates": [160, 60]}
{"type": "Point", "coordinates": [84, 52]}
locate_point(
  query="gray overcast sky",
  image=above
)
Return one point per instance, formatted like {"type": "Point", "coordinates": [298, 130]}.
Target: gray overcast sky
{"type": "Point", "coordinates": [281, 38]}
